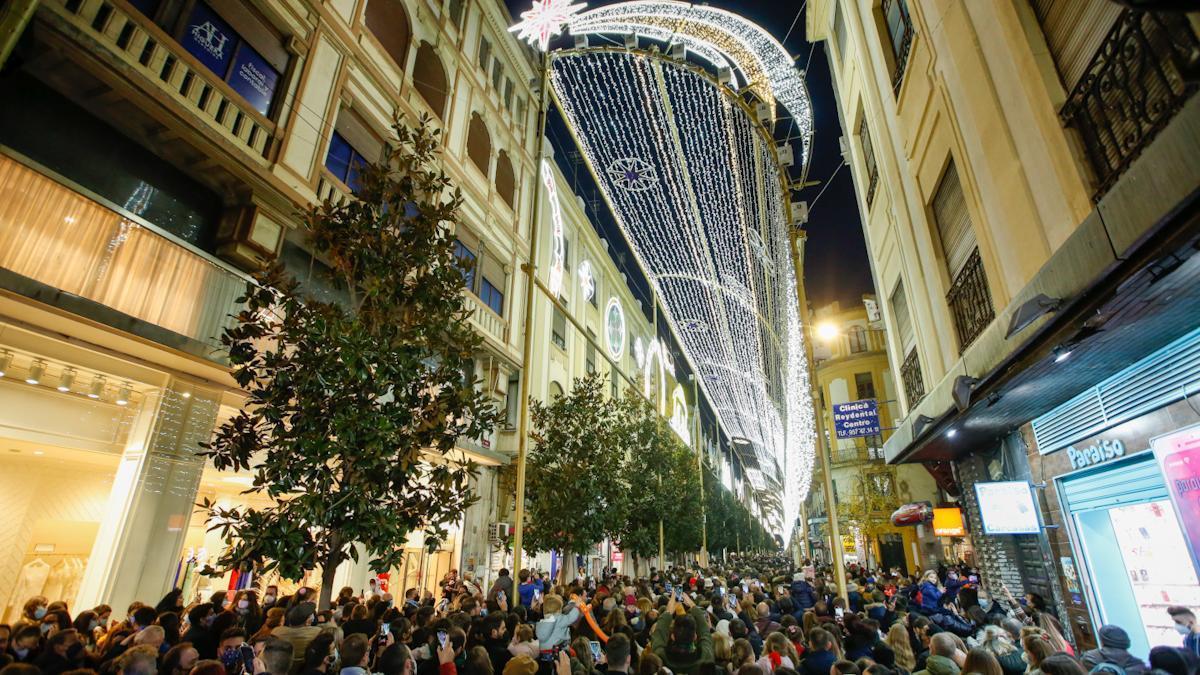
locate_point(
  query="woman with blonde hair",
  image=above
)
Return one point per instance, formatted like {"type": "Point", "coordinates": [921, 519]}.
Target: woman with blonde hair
{"type": "Point", "coordinates": [1037, 649]}
{"type": "Point", "coordinates": [809, 621]}
{"type": "Point", "coordinates": [778, 652]}
{"type": "Point", "coordinates": [897, 639]}
{"type": "Point", "coordinates": [1053, 630]}
{"type": "Point", "coordinates": [722, 650]}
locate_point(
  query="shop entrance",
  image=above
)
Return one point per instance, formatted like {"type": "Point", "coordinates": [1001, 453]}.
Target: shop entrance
{"type": "Point", "coordinates": [891, 552]}
{"type": "Point", "coordinates": [1134, 556]}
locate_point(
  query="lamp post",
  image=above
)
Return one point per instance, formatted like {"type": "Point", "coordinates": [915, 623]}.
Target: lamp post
{"type": "Point", "coordinates": [798, 237]}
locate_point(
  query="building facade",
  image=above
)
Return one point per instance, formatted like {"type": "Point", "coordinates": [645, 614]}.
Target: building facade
{"type": "Point", "coordinates": [852, 371]}
{"type": "Point", "coordinates": [1026, 174]}
{"type": "Point", "coordinates": [155, 152]}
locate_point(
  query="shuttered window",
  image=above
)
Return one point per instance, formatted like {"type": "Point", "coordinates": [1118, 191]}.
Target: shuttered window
{"type": "Point", "coordinates": [904, 328]}
{"type": "Point", "coordinates": [953, 222]}
{"type": "Point", "coordinates": [839, 34]}
{"type": "Point", "coordinates": [1074, 30]}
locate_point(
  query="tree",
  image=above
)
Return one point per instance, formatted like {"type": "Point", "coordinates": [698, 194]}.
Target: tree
{"type": "Point", "coordinates": [574, 497]}
{"type": "Point", "coordinates": [354, 408]}
{"type": "Point", "coordinates": [867, 509]}
{"type": "Point", "coordinates": [637, 434]}
{"type": "Point", "coordinates": [683, 518]}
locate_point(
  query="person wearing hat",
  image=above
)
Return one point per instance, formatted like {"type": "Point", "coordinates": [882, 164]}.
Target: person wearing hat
{"type": "Point", "coordinates": [1114, 649]}
{"type": "Point", "coordinates": [299, 630]}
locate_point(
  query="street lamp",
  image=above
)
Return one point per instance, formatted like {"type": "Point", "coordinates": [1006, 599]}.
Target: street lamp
{"type": "Point", "coordinates": [827, 331]}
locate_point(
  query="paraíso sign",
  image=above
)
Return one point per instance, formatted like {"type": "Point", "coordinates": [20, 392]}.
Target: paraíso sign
{"type": "Point", "coordinates": [1095, 454]}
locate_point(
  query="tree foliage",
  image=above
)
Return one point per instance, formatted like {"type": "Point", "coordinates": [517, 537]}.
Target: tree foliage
{"type": "Point", "coordinates": [354, 407]}
{"type": "Point", "coordinates": [574, 492]}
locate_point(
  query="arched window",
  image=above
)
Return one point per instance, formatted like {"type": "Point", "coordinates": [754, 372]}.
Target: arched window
{"type": "Point", "coordinates": [388, 22]}
{"type": "Point", "coordinates": [429, 78]}
{"type": "Point", "coordinates": [556, 391]}
{"type": "Point", "coordinates": [506, 180]}
{"type": "Point", "coordinates": [479, 143]}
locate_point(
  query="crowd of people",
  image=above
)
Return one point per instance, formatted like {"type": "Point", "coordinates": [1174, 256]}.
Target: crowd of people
{"type": "Point", "coordinates": [756, 616]}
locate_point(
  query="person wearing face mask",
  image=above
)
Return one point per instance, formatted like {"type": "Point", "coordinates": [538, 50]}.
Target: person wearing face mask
{"type": "Point", "coordinates": [63, 652]}
{"type": "Point", "coordinates": [1187, 626]}
{"type": "Point", "coordinates": [270, 597]}
{"type": "Point", "coordinates": [249, 614]}
{"type": "Point", "coordinates": [32, 612]}
{"type": "Point", "coordinates": [198, 633]}
{"type": "Point", "coordinates": [229, 652]}
{"type": "Point", "coordinates": [23, 646]}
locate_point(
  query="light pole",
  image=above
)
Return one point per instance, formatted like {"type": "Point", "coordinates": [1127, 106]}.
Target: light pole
{"type": "Point", "coordinates": [798, 237]}
{"type": "Point", "coordinates": [527, 343]}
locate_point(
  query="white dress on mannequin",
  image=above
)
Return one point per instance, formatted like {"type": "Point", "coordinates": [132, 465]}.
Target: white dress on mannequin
{"type": "Point", "coordinates": [30, 583]}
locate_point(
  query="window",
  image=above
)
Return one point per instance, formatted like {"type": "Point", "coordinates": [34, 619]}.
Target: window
{"type": "Point", "coordinates": [344, 161]}
{"type": "Point", "coordinates": [508, 94]}
{"type": "Point", "coordinates": [497, 74]}
{"type": "Point", "coordinates": [491, 296]}
{"type": "Point", "coordinates": [1074, 31]}
{"type": "Point", "coordinates": [858, 339]}
{"type": "Point", "coordinates": [512, 402]}
{"type": "Point", "coordinates": [558, 331]}
{"type": "Point", "coordinates": [485, 55]}
{"type": "Point", "coordinates": [506, 180]}
{"type": "Point", "coordinates": [614, 389]}
{"type": "Point", "coordinates": [590, 353]}
{"type": "Point", "coordinates": [479, 143]}
{"type": "Point", "coordinates": [901, 317]}
{"type": "Point", "coordinates": [567, 255]}
{"type": "Point", "coordinates": [864, 385]}
{"type": "Point", "coordinates": [388, 22]}
{"type": "Point", "coordinates": [956, 235]}
{"type": "Point", "coordinates": [225, 51]}
{"type": "Point", "coordinates": [900, 32]}
{"type": "Point", "coordinates": [839, 34]}
{"type": "Point", "coordinates": [456, 10]}
{"type": "Point", "coordinates": [556, 390]}
{"type": "Point", "coordinates": [868, 150]}
{"type": "Point", "coordinates": [520, 110]}
{"type": "Point", "coordinates": [429, 79]}
{"type": "Point", "coordinates": [466, 263]}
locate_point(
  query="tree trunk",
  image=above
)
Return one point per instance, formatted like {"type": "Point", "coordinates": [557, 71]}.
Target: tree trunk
{"type": "Point", "coordinates": [329, 571]}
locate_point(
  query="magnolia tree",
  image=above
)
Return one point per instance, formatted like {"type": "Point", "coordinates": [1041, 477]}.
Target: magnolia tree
{"type": "Point", "coordinates": [354, 407]}
{"type": "Point", "coordinates": [575, 494]}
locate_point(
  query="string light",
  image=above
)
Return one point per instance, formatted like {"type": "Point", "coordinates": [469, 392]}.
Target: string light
{"type": "Point", "coordinates": [711, 233]}
{"type": "Point", "coordinates": [722, 38]}
{"type": "Point", "coordinates": [587, 282]}
{"type": "Point", "coordinates": [614, 322]}
{"type": "Point", "coordinates": [558, 254]}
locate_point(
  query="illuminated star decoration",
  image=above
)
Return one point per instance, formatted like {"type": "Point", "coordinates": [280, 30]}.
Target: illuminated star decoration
{"type": "Point", "coordinates": [633, 174]}
{"type": "Point", "coordinates": [545, 20]}
{"type": "Point", "coordinates": [587, 282]}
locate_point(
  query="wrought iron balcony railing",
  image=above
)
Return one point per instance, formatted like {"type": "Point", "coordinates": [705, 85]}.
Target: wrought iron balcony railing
{"type": "Point", "coordinates": [1143, 72]}
{"type": "Point", "coordinates": [910, 375]}
{"type": "Point", "coordinates": [900, 31]}
{"type": "Point", "coordinates": [970, 301]}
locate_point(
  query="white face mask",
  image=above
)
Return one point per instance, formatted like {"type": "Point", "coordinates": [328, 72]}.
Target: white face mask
{"type": "Point", "coordinates": [1182, 629]}
{"type": "Point", "coordinates": [268, 599]}
{"type": "Point", "coordinates": [243, 604]}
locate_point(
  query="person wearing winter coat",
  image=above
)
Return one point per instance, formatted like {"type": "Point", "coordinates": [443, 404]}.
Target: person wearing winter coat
{"type": "Point", "coordinates": [683, 643]}
{"type": "Point", "coordinates": [804, 596]}
{"type": "Point", "coordinates": [1114, 649]}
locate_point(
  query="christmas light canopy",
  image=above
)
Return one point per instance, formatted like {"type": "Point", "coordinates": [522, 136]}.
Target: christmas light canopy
{"type": "Point", "coordinates": [694, 184]}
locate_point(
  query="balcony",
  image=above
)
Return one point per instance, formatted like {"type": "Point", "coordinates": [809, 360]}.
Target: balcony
{"type": "Point", "coordinates": [330, 188]}
{"type": "Point", "coordinates": [62, 248]}
{"type": "Point", "coordinates": [489, 324]}
{"type": "Point", "coordinates": [914, 381]}
{"type": "Point", "coordinates": [114, 61]}
{"type": "Point", "coordinates": [970, 301]}
{"type": "Point", "coordinates": [1142, 74]}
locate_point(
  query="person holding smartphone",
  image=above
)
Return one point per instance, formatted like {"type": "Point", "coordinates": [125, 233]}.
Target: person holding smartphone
{"type": "Point", "coordinates": [684, 643]}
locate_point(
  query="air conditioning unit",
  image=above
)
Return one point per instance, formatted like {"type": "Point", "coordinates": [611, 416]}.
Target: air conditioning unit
{"type": "Point", "coordinates": [581, 42]}
{"type": "Point", "coordinates": [799, 213]}
{"type": "Point", "coordinates": [725, 76]}
{"type": "Point", "coordinates": [499, 531]}
{"type": "Point", "coordinates": [763, 112]}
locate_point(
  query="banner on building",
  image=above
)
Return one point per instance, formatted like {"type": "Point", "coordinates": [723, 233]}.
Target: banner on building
{"type": "Point", "coordinates": [1178, 456]}
{"type": "Point", "coordinates": [856, 419]}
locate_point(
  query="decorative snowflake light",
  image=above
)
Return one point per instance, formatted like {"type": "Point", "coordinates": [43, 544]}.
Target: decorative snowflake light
{"type": "Point", "coordinates": [632, 174]}
{"type": "Point", "coordinates": [545, 20]}
{"type": "Point", "coordinates": [587, 282]}
{"type": "Point", "coordinates": [614, 328]}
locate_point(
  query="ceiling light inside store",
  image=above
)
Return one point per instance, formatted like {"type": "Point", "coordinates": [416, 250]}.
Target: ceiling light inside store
{"type": "Point", "coordinates": [123, 395]}
{"type": "Point", "coordinates": [66, 380]}
{"type": "Point", "coordinates": [97, 387]}
{"type": "Point", "coordinates": [5, 361]}
{"type": "Point", "coordinates": [35, 372]}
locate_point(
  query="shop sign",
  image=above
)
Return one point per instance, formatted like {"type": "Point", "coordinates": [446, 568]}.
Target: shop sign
{"type": "Point", "coordinates": [254, 79]}
{"type": "Point", "coordinates": [618, 556]}
{"type": "Point", "coordinates": [948, 522]}
{"type": "Point", "coordinates": [1006, 507]}
{"type": "Point", "coordinates": [1098, 453]}
{"type": "Point", "coordinates": [1178, 456]}
{"type": "Point", "coordinates": [856, 419]}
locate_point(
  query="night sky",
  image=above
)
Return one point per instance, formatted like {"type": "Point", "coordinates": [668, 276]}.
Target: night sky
{"type": "Point", "coordinates": [836, 265]}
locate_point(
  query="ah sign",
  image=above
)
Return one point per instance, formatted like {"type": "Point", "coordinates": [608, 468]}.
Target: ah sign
{"type": "Point", "coordinates": [856, 419]}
